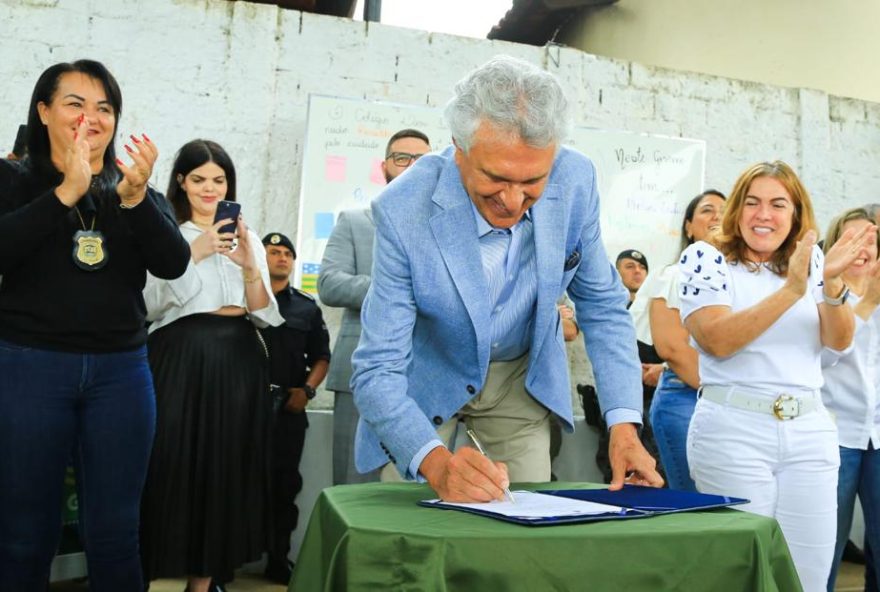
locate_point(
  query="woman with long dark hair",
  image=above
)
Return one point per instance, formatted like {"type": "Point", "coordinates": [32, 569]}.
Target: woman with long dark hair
{"type": "Point", "coordinates": [205, 503]}
{"type": "Point", "coordinates": [676, 394]}
{"type": "Point", "coordinates": [79, 229]}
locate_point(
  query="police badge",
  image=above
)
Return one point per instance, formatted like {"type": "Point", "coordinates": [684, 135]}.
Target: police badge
{"type": "Point", "coordinates": [88, 250]}
{"type": "Point", "coordinates": [89, 253]}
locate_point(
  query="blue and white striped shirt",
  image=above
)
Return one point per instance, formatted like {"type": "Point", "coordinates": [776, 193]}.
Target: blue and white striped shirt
{"type": "Point", "coordinates": [509, 265]}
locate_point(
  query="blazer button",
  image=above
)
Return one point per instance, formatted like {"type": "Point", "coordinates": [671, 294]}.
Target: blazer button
{"type": "Point", "coordinates": [437, 420]}
{"type": "Point", "coordinates": [471, 389]}
{"type": "Point", "coordinates": [394, 460]}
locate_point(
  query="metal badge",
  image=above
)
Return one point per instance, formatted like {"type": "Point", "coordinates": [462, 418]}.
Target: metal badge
{"type": "Point", "coordinates": [89, 253]}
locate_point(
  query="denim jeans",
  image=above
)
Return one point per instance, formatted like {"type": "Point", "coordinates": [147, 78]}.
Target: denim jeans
{"type": "Point", "coordinates": [670, 415]}
{"type": "Point", "coordinates": [101, 409]}
{"type": "Point", "coordinates": [859, 474]}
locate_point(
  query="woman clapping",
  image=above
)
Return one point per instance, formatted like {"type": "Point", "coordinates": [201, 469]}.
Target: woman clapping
{"type": "Point", "coordinates": [761, 307]}
{"type": "Point", "coordinates": [850, 392]}
{"type": "Point", "coordinates": [79, 229]}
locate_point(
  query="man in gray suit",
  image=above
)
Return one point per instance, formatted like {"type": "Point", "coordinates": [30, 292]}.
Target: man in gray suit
{"type": "Point", "coordinates": [344, 279]}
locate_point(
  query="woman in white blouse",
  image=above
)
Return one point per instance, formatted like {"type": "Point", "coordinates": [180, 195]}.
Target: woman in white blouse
{"type": "Point", "coordinates": [850, 393]}
{"type": "Point", "coordinates": [760, 308]}
{"type": "Point", "coordinates": [203, 509]}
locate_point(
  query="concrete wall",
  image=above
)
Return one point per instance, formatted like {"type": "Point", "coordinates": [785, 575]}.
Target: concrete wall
{"type": "Point", "coordinates": [240, 73]}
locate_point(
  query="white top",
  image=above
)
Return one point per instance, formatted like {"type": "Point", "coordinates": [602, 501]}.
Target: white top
{"type": "Point", "coordinates": [786, 357]}
{"type": "Point", "coordinates": [207, 286]}
{"type": "Point", "coordinates": [851, 384]}
{"type": "Point", "coordinates": [638, 310]}
{"type": "Point", "coordinates": [662, 284]}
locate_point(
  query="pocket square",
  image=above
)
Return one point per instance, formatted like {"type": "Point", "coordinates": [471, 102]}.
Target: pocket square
{"type": "Point", "coordinates": [572, 261]}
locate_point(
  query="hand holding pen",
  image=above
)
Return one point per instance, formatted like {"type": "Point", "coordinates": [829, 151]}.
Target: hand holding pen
{"type": "Point", "coordinates": [466, 475]}
{"type": "Point", "coordinates": [473, 436]}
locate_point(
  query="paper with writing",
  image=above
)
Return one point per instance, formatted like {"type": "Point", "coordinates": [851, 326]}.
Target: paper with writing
{"type": "Point", "coordinates": [536, 506]}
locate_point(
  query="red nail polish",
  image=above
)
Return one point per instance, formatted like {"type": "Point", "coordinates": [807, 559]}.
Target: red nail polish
{"type": "Point", "coordinates": [82, 116]}
{"type": "Point", "coordinates": [134, 139]}
{"type": "Point", "coordinates": [119, 162]}
{"type": "Point", "coordinates": [75, 135]}
{"type": "Point", "coordinates": [146, 137]}
{"type": "Point", "coordinates": [127, 147]}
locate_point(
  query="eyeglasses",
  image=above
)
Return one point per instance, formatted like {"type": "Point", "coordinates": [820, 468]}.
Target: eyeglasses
{"type": "Point", "coordinates": [403, 159]}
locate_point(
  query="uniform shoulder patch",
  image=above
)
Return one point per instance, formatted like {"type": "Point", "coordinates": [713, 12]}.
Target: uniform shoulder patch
{"type": "Point", "coordinates": [304, 294]}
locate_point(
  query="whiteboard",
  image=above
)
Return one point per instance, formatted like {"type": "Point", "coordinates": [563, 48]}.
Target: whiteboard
{"type": "Point", "coordinates": [342, 158]}
{"type": "Point", "coordinates": [645, 181]}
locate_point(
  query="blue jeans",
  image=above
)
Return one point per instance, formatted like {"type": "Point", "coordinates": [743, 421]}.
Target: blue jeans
{"type": "Point", "coordinates": [670, 414]}
{"type": "Point", "coordinates": [101, 408]}
{"type": "Point", "coordinates": [859, 475]}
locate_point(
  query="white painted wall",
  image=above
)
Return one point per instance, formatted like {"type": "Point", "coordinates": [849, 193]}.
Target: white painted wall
{"type": "Point", "coordinates": [240, 73]}
{"type": "Point", "coordinates": [825, 45]}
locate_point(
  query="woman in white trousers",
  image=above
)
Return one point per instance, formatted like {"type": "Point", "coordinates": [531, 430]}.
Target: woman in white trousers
{"type": "Point", "coordinates": [760, 305]}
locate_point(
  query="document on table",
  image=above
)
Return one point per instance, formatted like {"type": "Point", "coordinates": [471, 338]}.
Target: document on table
{"type": "Point", "coordinates": [531, 505]}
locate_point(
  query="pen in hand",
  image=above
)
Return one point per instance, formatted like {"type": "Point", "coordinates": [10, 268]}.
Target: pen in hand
{"type": "Point", "coordinates": [476, 442]}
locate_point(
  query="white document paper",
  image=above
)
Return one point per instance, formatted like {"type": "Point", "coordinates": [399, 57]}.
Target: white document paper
{"type": "Point", "coordinates": [530, 505]}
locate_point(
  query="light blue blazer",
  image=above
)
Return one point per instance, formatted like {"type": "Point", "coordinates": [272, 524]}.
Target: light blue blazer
{"type": "Point", "coordinates": [424, 348]}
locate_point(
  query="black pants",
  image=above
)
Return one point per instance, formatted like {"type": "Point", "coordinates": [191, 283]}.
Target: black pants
{"type": "Point", "coordinates": [288, 440]}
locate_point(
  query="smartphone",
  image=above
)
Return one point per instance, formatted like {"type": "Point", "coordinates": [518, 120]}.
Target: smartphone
{"type": "Point", "coordinates": [230, 210]}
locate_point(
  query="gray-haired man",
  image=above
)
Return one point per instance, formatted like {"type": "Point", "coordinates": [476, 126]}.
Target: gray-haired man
{"type": "Point", "coordinates": [474, 246]}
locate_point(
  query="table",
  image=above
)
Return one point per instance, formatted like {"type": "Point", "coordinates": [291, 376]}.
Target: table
{"type": "Point", "coordinates": [374, 537]}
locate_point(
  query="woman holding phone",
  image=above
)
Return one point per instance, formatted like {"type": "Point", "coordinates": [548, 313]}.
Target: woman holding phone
{"type": "Point", "coordinates": [79, 229]}
{"type": "Point", "coordinates": [204, 506]}
{"type": "Point", "coordinates": [761, 306]}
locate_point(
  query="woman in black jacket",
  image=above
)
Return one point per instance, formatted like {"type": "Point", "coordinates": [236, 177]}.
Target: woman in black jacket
{"type": "Point", "coordinates": [79, 229]}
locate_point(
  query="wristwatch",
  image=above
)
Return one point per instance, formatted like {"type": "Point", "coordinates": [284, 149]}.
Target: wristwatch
{"type": "Point", "coordinates": [310, 391]}
{"type": "Point", "coordinates": [836, 301]}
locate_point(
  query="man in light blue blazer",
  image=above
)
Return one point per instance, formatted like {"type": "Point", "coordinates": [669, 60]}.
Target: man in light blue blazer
{"type": "Point", "coordinates": [473, 247]}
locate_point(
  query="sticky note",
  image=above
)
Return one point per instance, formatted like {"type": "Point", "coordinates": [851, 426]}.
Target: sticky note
{"type": "Point", "coordinates": [334, 168]}
{"type": "Point", "coordinates": [376, 175]}
{"type": "Point", "coordinates": [323, 224]}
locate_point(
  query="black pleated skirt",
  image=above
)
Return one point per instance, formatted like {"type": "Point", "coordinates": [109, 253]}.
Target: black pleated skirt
{"type": "Point", "coordinates": [205, 504]}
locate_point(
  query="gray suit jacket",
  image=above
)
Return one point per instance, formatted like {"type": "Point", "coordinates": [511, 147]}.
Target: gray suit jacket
{"type": "Point", "coordinates": [343, 282]}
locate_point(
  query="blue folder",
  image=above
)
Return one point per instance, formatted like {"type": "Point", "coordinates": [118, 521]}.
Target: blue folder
{"type": "Point", "coordinates": [637, 502]}
{"type": "Point", "coordinates": [651, 499]}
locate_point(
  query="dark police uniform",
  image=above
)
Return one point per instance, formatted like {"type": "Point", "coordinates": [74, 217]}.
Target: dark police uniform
{"type": "Point", "coordinates": [294, 347]}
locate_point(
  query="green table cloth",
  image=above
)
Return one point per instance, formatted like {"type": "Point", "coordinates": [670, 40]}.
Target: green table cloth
{"type": "Point", "coordinates": [374, 537]}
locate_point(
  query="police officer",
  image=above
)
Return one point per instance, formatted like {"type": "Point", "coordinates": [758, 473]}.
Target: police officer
{"type": "Point", "coordinates": [299, 355]}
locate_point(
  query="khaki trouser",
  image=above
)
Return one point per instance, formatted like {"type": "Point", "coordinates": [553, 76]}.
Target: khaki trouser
{"type": "Point", "coordinates": [511, 425]}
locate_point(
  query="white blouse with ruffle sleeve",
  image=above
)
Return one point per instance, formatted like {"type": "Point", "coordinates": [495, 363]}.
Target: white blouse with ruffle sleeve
{"type": "Point", "coordinates": [787, 355]}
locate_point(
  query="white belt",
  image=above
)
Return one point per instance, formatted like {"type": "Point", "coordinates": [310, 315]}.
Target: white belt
{"type": "Point", "coordinates": [783, 407]}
